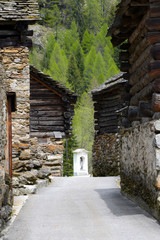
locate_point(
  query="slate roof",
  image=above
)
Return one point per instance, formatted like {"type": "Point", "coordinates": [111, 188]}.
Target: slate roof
{"type": "Point", "coordinates": [59, 87]}
{"type": "Point", "coordinates": [18, 10]}
{"type": "Point", "coordinates": [110, 84]}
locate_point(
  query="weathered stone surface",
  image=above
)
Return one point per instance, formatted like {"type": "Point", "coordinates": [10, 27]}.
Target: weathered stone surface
{"type": "Point", "coordinates": [18, 10]}
{"type": "Point", "coordinates": [44, 173]}
{"type": "Point", "coordinates": [157, 125]}
{"type": "Point", "coordinates": [106, 157]}
{"type": "Point", "coordinates": [140, 165]}
{"type": "Point", "coordinates": [48, 156]}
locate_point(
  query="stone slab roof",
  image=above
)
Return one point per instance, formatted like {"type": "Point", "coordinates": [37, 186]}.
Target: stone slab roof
{"type": "Point", "coordinates": [59, 87]}
{"type": "Point", "coordinates": [18, 10]}
{"type": "Point", "coordinates": [110, 84]}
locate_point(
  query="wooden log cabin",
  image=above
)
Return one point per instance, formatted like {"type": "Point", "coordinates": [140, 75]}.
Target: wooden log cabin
{"type": "Point", "coordinates": [51, 114]}
{"type": "Point", "coordinates": [108, 101]}
{"type": "Point", "coordinates": [136, 30]}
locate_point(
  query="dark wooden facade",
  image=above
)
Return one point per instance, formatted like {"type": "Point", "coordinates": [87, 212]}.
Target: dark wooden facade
{"type": "Point", "coordinates": [136, 29]}
{"type": "Point", "coordinates": [51, 106]}
{"type": "Point", "coordinates": [15, 16]}
{"type": "Point", "coordinates": [108, 100]}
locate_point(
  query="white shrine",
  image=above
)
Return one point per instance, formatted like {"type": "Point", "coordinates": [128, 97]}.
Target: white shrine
{"type": "Point", "coordinates": [80, 162]}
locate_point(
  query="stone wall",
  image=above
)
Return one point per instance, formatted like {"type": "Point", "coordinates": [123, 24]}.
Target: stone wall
{"type": "Point", "coordinates": [15, 62]}
{"type": "Point", "coordinates": [47, 153]}
{"type": "Point", "coordinates": [105, 158]}
{"type": "Point", "coordinates": [140, 165]}
{"type": "Point", "coordinates": [5, 183]}
{"type": "Point", "coordinates": [11, 10]}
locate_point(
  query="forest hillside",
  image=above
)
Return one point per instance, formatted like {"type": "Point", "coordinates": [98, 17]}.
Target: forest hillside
{"type": "Point", "coordinates": [71, 46]}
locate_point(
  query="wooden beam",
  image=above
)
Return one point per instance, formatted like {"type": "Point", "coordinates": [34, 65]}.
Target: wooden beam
{"type": "Point", "coordinates": [153, 24]}
{"type": "Point", "coordinates": [144, 94]}
{"type": "Point", "coordinates": [44, 84]}
{"type": "Point", "coordinates": [154, 69]}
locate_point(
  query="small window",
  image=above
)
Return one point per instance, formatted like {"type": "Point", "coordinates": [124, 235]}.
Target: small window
{"type": "Point", "coordinates": [11, 96]}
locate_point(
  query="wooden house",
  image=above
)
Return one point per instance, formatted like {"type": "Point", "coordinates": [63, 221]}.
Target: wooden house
{"type": "Point", "coordinates": [108, 101]}
{"type": "Point", "coordinates": [136, 30]}
{"type": "Point", "coordinates": [51, 114]}
{"type": "Point", "coordinates": [15, 16]}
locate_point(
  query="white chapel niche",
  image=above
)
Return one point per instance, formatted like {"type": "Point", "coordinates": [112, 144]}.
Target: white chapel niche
{"type": "Point", "coordinates": [80, 162]}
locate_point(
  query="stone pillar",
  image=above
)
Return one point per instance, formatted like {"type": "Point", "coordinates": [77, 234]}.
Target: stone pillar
{"type": "Point", "coordinates": [15, 62]}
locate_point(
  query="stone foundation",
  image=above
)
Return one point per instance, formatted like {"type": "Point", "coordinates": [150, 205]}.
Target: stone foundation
{"type": "Point", "coordinates": [47, 153]}
{"type": "Point", "coordinates": [106, 157]}
{"type": "Point", "coordinates": [140, 165]}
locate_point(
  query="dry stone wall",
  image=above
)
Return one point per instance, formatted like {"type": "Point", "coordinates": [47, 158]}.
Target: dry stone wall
{"type": "Point", "coordinates": [15, 62]}
{"type": "Point", "coordinates": [140, 165]}
{"type": "Point", "coordinates": [5, 182]}
{"type": "Point", "coordinates": [105, 158]}
{"type": "Point", "coordinates": [13, 10]}
{"type": "Point", "coordinates": [47, 154]}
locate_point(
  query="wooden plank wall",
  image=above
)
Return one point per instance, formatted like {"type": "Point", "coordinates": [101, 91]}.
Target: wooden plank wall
{"type": "Point", "coordinates": [106, 117]}
{"type": "Point", "coordinates": [47, 110]}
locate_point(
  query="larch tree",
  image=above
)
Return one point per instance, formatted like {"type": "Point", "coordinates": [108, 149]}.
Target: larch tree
{"type": "Point", "coordinates": [73, 76]}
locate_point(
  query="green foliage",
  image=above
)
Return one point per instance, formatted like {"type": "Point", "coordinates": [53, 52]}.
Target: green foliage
{"type": "Point", "coordinates": [79, 55]}
{"type": "Point", "coordinates": [69, 146]}
{"type": "Point", "coordinates": [49, 49]}
{"type": "Point", "coordinates": [58, 64]}
{"type": "Point", "coordinates": [73, 76]}
{"type": "Point", "coordinates": [89, 65]}
{"type": "Point", "coordinates": [83, 123]}
{"type": "Point", "coordinates": [71, 36]}
{"type": "Point", "coordinates": [93, 15]}
{"type": "Point", "coordinates": [86, 42]}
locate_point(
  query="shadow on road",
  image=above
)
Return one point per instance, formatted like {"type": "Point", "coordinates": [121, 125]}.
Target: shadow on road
{"type": "Point", "coordinates": [118, 204]}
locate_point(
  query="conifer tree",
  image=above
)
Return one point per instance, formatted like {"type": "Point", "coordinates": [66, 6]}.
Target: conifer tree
{"type": "Point", "coordinates": [79, 55]}
{"type": "Point", "coordinates": [86, 42]}
{"type": "Point", "coordinates": [73, 76]}
{"type": "Point", "coordinates": [89, 65]}
{"type": "Point", "coordinates": [48, 51]}
{"type": "Point", "coordinates": [93, 13]}
{"type": "Point", "coordinates": [69, 145]}
{"type": "Point", "coordinates": [71, 36]}
{"type": "Point", "coordinates": [99, 68]}
{"type": "Point", "coordinates": [58, 64]}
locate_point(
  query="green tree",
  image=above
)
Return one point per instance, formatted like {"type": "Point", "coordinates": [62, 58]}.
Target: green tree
{"type": "Point", "coordinates": [69, 145]}
{"type": "Point", "coordinates": [86, 42]}
{"type": "Point", "coordinates": [89, 67]}
{"type": "Point", "coordinates": [93, 15]}
{"type": "Point", "coordinates": [99, 68]}
{"type": "Point", "coordinates": [79, 55]}
{"type": "Point", "coordinates": [73, 76]}
{"type": "Point", "coordinates": [71, 36]}
{"type": "Point", "coordinates": [48, 51]}
{"type": "Point", "coordinates": [58, 64]}
{"type": "Point", "coordinates": [101, 40]}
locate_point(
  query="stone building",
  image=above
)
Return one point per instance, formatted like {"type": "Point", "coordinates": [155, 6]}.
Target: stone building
{"type": "Point", "coordinates": [108, 100]}
{"type": "Point", "coordinates": [15, 16]}
{"type": "Point", "coordinates": [136, 29]}
{"type": "Point", "coordinates": [51, 109]}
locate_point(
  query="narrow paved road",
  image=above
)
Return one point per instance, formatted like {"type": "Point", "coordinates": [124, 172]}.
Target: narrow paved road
{"type": "Point", "coordinates": [82, 209]}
